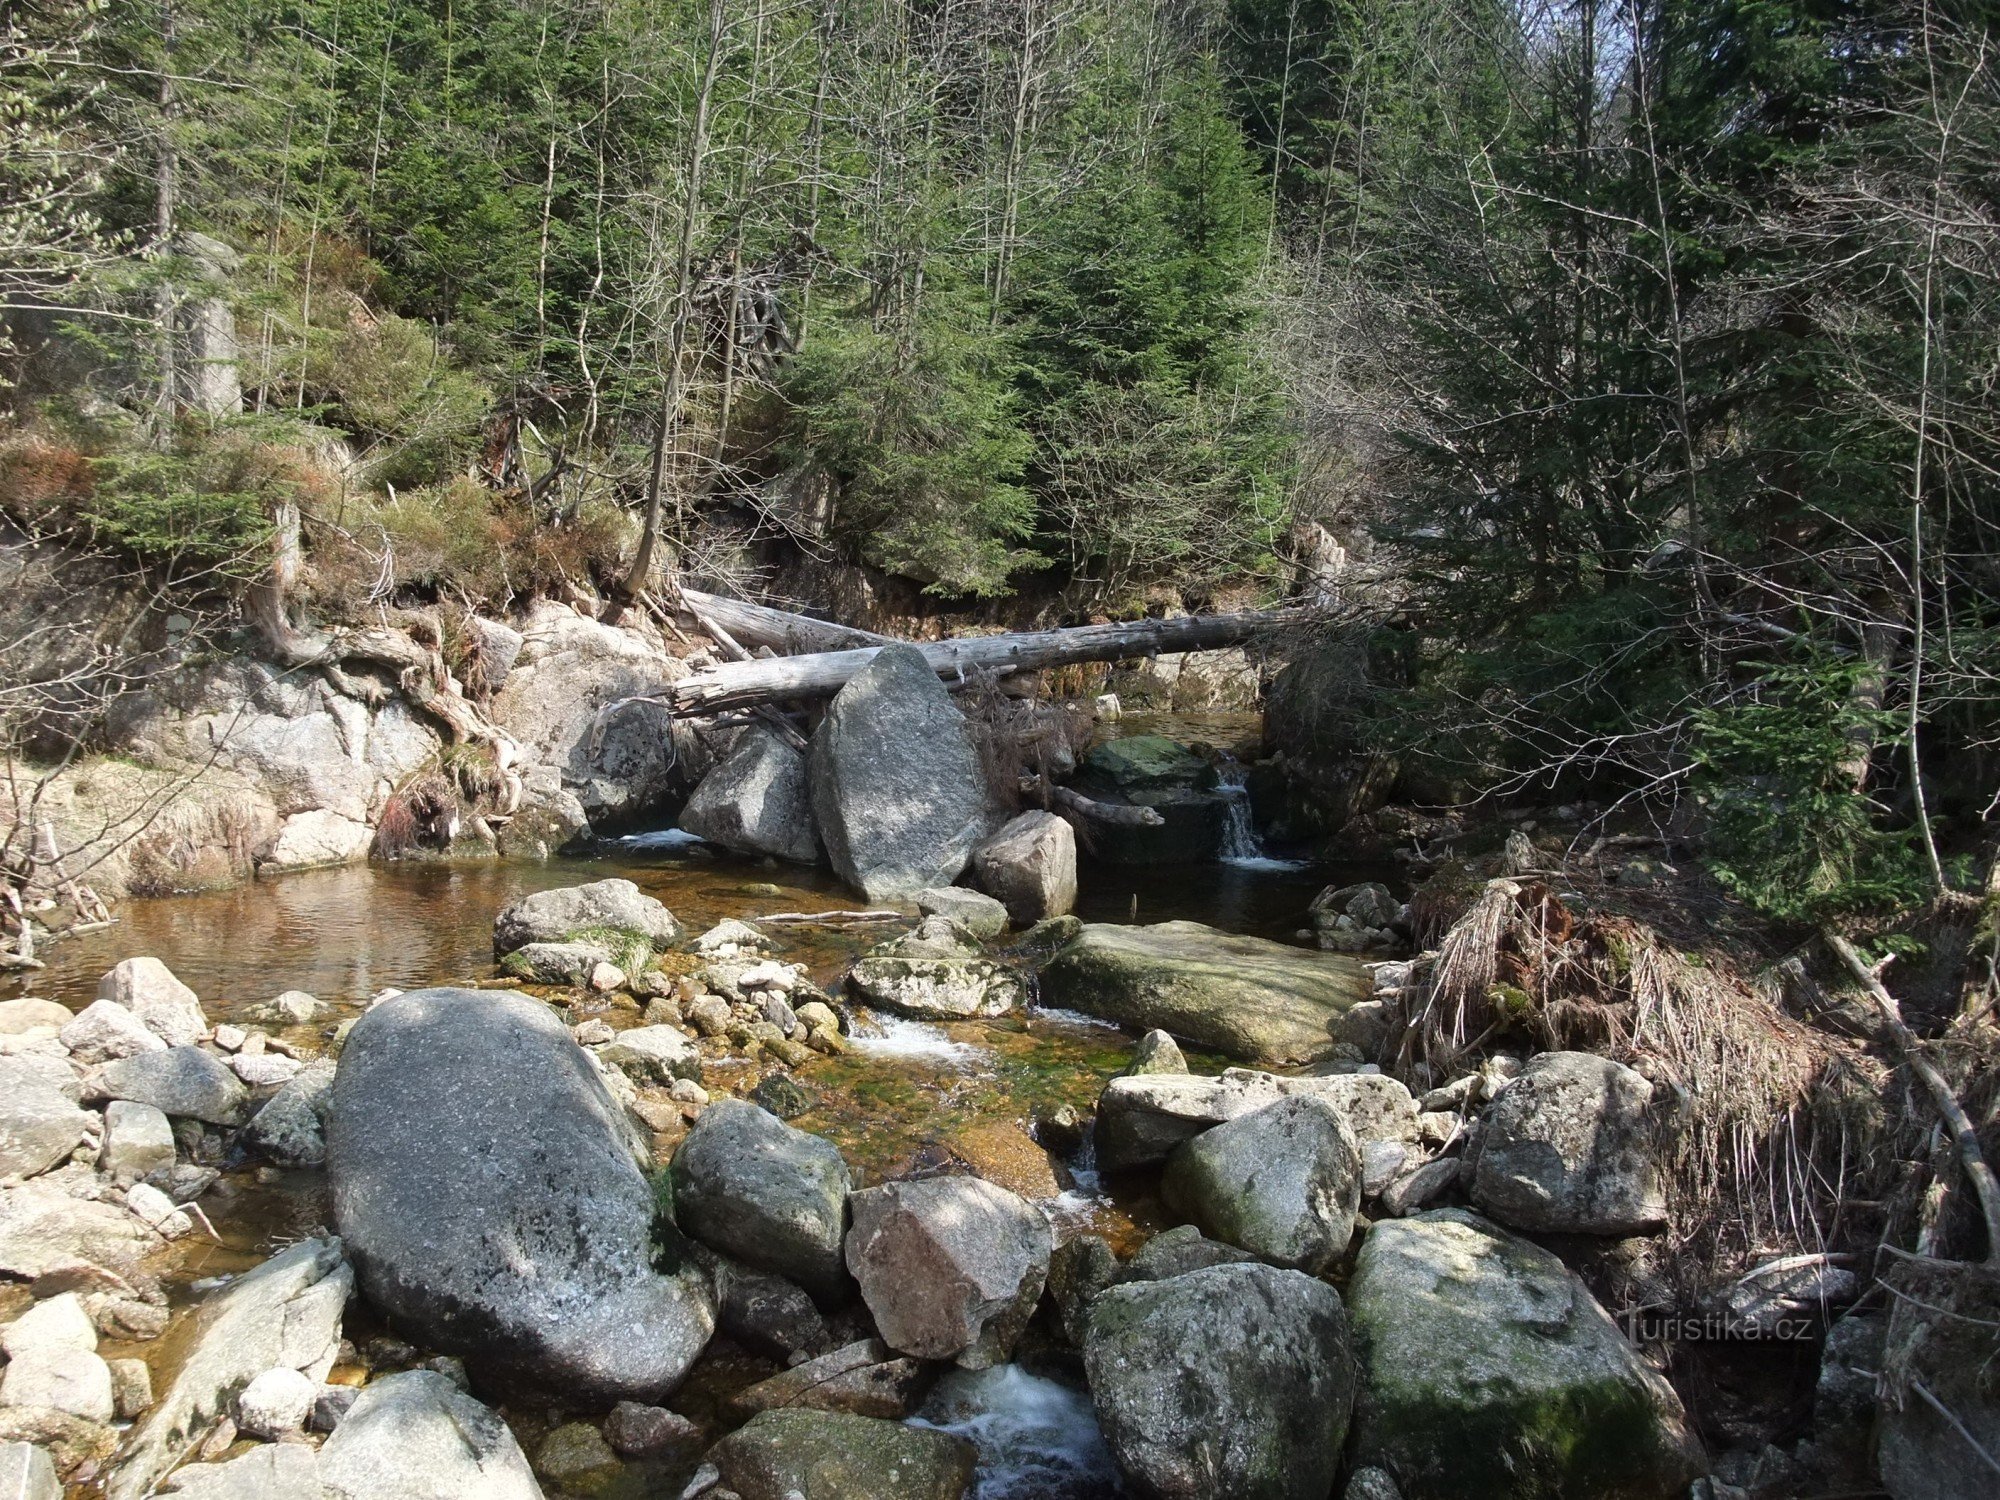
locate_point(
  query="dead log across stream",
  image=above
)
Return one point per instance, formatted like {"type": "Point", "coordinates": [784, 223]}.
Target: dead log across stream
{"type": "Point", "coordinates": [744, 684]}
{"type": "Point", "coordinates": [760, 625]}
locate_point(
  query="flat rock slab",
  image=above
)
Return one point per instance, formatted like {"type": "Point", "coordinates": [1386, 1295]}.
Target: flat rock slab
{"type": "Point", "coordinates": [817, 1455]}
{"type": "Point", "coordinates": [1248, 998]}
{"type": "Point", "coordinates": [490, 1192]}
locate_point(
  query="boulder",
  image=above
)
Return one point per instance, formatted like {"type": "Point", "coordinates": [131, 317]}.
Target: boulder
{"type": "Point", "coordinates": [54, 1324]}
{"type": "Point", "coordinates": [38, 1127]}
{"type": "Point", "coordinates": [757, 801]}
{"type": "Point", "coordinates": [104, 1031]}
{"type": "Point", "coordinates": [74, 1381]}
{"type": "Point", "coordinates": [1152, 771]}
{"type": "Point", "coordinates": [417, 1436]}
{"type": "Point", "coordinates": [1141, 1118]}
{"type": "Point", "coordinates": [608, 907]}
{"type": "Point", "coordinates": [39, 1069]}
{"type": "Point", "coordinates": [27, 1473]}
{"type": "Point", "coordinates": [636, 1430]}
{"type": "Point", "coordinates": [20, 1017]}
{"type": "Point", "coordinates": [1571, 1148]}
{"type": "Point", "coordinates": [321, 837]}
{"type": "Point", "coordinates": [1030, 867]}
{"type": "Point", "coordinates": [491, 1195]}
{"type": "Point", "coordinates": [1246, 997]}
{"type": "Point", "coordinates": [795, 1454]}
{"type": "Point", "coordinates": [556, 963]}
{"type": "Point", "coordinates": [978, 914]}
{"type": "Point", "coordinates": [138, 1142]}
{"type": "Point", "coordinates": [774, 1197]}
{"type": "Point", "coordinates": [863, 1379]}
{"type": "Point", "coordinates": [285, 1313]}
{"type": "Point", "coordinates": [1156, 1053]}
{"type": "Point", "coordinates": [167, 1008]}
{"type": "Point", "coordinates": [1177, 1252]}
{"type": "Point", "coordinates": [951, 1267]}
{"type": "Point", "coordinates": [1487, 1368]}
{"type": "Point", "coordinates": [766, 1314]}
{"type": "Point", "coordinates": [935, 972]}
{"type": "Point", "coordinates": [1230, 1383]}
{"type": "Point", "coordinates": [896, 784]}
{"type": "Point", "coordinates": [43, 1229]}
{"type": "Point", "coordinates": [1283, 1182]}
{"type": "Point", "coordinates": [184, 1082]}
{"type": "Point", "coordinates": [571, 667]}
{"type": "Point", "coordinates": [274, 1471]}
{"type": "Point", "coordinates": [290, 1130]}
{"type": "Point", "coordinates": [654, 1054]}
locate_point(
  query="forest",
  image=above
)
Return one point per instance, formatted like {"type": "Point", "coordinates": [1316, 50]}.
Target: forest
{"type": "Point", "coordinates": [1618, 376]}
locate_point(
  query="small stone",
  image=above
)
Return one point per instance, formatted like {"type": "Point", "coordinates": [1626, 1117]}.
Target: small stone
{"type": "Point", "coordinates": [638, 1431]}
{"type": "Point", "coordinates": [230, 1038]}
{"type": "Point", "coordinates": [654, 1054]}
{"type": "Point", "coordinates": [275, 1403]}
{"type": "Point", "coordinates": [709, 1015]}
{"type": "Point", "coordinates": [817, 1013]}
{"type": "Point", "coordinates": [574, 1454]}
{"type": "Point", "coordinates": [1381, 1162]}
{"type": "Point", "coordinates": [768, 975]}
{"type": "Point", "coordinates": [253, 1044]}
{"type": "Point", "coordinates": [295, 1008]}
{"type": "Point", "coordinates": [219, 1441]}
{"type": "Point", "coordinates": [266, 1069]}
{"type": "Point", "coordinates": [1415, 1190]}
{"type": "Point", "coordinates": [1157, 1052]}
{"type": "Point", "coordinates": [706, 1478]}
{"type": "Point", "coordinates": [452, 1368]}
{"type": "Point", "coordinates": [687, 1091]}
{"type": "Point", "coordinates": [605, 977]}
{"type": "Point", "coordinates": [330, 1404]}
{"type": "Point", "coordinates": [1371, 1484]}
{"type": "Point", "coordinates": [784, 1097]}
{"type": "Point", "coordinates": [157, 1211]}
{"type": "Point", "coordinates": [131, 1386]}
{"type": "Point", "coordinates": [593, 1033]}
{"type": "Point", "coordinates": [129, 1319]}
{"type": "Point", "coordinates": [978, 913]}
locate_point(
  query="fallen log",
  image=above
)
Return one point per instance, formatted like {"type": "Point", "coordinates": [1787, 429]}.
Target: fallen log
{"type": "Point", "coordinates": [781, 630]}
{"type": "Point", "coordinates": [1062, 800]}
{"type": "Point", "coordinates": [744, 684]}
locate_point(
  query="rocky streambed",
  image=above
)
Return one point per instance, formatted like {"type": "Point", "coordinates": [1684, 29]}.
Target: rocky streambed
{"type": "Point", "coordinates": [693, 1197]}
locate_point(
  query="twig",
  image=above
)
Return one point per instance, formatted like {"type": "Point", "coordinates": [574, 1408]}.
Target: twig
{"type": "Point", "coordinates": [833, 916]}
{"type": "Point", "coordinates": [1963, 1135]}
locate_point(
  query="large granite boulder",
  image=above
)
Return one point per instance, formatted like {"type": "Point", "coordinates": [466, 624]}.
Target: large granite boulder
{"type": "Point", "coordinates": [1230, 1383]}
{"type": "Point", "coordinates": [417, 1436]}
{"type": "Point", "coordinates": [603, 910]}
{"type": "Point", "coordinates": [167, 1008]}
{"type": "Point", "coordinates": [491, 1195]}
{"type": "Point", "coordinates": [184, 1082]}
{"type": "Point", "coordinates": [39, 1126]}
{"type": "Point", "coordinates": [1571, 1147]}
{"type": "Point", "coordinates": [1143, 1117]}
{"type": "Point", "coordinates": [1488, 1369]}
{"type": "Point", "coordinates": [1246, 997]}
{"type": "Point", "coordinates": [935, 972]}
{"type": "Point", "coordinates": [285, 1314]}
{"type": "Point", "coordinates": [1283, 1182]}
{"type": "Point", "coordinates": [751, 1186]}
{"type": "Point", "coordinates": [796, 1454]}
{"type": "Point", "coordinates": [896, 784]}
{"type": "Point", "coordinates": [569, 669]}
{"type": "Point", "coordinates": [757, 802]}
{"type": "Point", "coordinates": [1029, 866]}
{"type": "Point", "coordinates": [951, 1267]}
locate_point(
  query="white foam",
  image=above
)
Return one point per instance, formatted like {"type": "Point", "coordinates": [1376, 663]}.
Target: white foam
{"type": "Point", "coordinates": [1037, 1439]}
{"type": "Point", "coordinates": [897, 1037]}
{"type": "Point", "coordinates": [1072, 1017]}
{"type": "Point", "coordinates": [1263, 862]}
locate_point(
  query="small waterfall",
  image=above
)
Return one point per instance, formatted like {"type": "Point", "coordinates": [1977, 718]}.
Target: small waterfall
{"type": "Point", "coordinates": [1240, 844]}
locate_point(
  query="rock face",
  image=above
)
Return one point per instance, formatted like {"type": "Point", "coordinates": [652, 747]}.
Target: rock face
{"type": "Point", "coordinates": [489, 1190]}
{"type": "Point", "coordinates": [936, 973]}
{"type": "Point", "coordinates": [284, 1314]}
{"type": "Point", "coordinates": [568, 668]}
{"type": "Point", "coordinates": [896, 784]}
{"type": "Point", "coordinates": [167, 1008]}
{"type": "Point", "coordinates": [1230, 1383]}
{"type": "Point", "coordinates": [757, 802]}
{"type": "Point", "coordinates": [416, 1436]}
{"type": "Point", "coordinates": [751, 1186]}
{"type": "Point", "coordinates": [1487, 1369]}
{"type": "Point", "coordinates": [38, 1127]}
{"type": "Point", "coordinates": [794, 1454]}
{"type": "Point", "coordinates": [1283, 1182]}
{"type": "Point", "coordinates": [1570, 1148]}
{"type": "Point", "coordinates": [184, 1082]}
{"type": "Point", "coordinates": [1246, 997]}
{"type": "Point", "coordinates": [613, 906]}
{"type": "Point", "coordinates": [951, 1267]}
{"type": "Point", "coordinates": [1030, 867]}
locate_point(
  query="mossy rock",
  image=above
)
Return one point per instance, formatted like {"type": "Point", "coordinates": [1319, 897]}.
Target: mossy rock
{"type": "Point", "coordinates": [823, 1455]}
{"type": "Point", "coordinates": [1488, 1369]}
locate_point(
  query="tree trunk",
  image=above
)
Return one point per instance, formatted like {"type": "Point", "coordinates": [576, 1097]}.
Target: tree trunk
{"type": "Point", "coordinates": [745, 684]}
{"type": "Point", "coordinates": [760, 625]}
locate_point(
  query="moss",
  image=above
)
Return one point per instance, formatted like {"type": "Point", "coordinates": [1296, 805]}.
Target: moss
{"type": "Point", "coordinates": [631, 951]}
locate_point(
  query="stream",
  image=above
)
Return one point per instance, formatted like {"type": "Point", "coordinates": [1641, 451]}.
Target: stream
{"type": "Point", "coordinates": [907, 1096]}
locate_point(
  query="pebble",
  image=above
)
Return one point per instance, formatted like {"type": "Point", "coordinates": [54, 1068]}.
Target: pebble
{"type": "Point", "coordinates": [230, 1038]}
{"type": "Point", "coordinates": [275, 1403]}
{"type": "Point", "coordinates": [593, 1033]}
